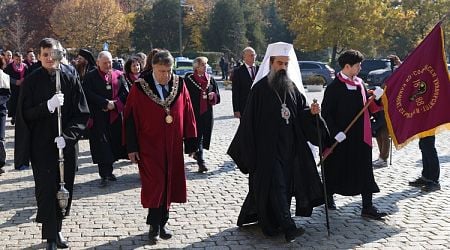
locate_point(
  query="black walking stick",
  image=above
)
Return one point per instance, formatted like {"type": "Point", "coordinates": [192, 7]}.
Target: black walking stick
{"type": "Point", "coordinates": [322, 171]}
{"type": "Point", "coordinates": [390, 151]}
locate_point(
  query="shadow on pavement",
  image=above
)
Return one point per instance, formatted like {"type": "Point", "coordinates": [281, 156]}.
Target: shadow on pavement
{"type": "Point", "coordinates": [192, 174]}
{"type": "Point", "coordinates": [25, 198]}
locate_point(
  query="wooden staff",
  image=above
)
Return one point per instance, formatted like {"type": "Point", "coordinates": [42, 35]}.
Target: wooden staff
{"type": "Point", "coordinates": [366, 106]}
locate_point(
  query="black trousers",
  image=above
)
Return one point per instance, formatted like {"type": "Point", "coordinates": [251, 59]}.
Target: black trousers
{"type": "Point", "coordinates": [105, 169]}
{"type": "Point", "coordinates": [430, 159]}
{"type": "Point", "coordinates": [158, 217]}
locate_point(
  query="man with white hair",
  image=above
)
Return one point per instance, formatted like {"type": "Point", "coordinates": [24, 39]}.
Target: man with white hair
{"type": "Point", "coordinates": [106, 91]}
{"type": "Point", "coordinates": [271, 145]}
{"type": "Point", "coordinates": [242, 80]}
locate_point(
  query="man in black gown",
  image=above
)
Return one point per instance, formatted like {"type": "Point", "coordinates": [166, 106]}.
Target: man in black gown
{"type": "Point", "coordinates": [37, 132]}
{"type": "Point", "coordinates": [349, 166]}
{"type": "Point", "coordinates": [271, 145]}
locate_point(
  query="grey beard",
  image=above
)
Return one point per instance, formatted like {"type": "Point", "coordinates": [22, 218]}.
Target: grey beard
{"type": "Point", "coordinates": [280, 83]}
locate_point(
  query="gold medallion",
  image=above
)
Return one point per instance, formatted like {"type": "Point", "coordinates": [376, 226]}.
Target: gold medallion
{"type": "Point", "coordinates": [169, 119]}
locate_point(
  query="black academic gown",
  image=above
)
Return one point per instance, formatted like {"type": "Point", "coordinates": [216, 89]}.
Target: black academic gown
{"type": "Point", "coordinates": [14, 76]}
{"type": "Point", "coordinates": [36, 129]}
{"type": "Point", "coordinates": [204, 121]}
{"type": "Point", "coordinates": [349, 168]}
{"type": "Point", "coordinates": [254, 150]}
{"type": "Point", "coordinates": [105, 138]}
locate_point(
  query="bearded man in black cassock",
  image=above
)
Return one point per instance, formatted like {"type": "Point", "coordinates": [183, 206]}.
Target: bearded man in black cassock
{"type": "Point", "coordinates": [271, 145]}
{"type": "Point", "coordinates": [37, 132]}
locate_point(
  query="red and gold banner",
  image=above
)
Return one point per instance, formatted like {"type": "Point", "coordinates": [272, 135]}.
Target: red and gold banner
{"type": "Point", "coordinates": [417, 94]}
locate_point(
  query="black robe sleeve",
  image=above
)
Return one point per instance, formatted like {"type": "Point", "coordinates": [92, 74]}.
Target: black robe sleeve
{"type": "Point", "coordinates": [74, 128]}
{"type": "Point", "coordinates": [131, 138]}
{"type": "Point", "coordinates": [215, 90]}
{"type": "Point", "coordinates": [244, 140]}
{"type": "Point", "coordinates": [311, 124]}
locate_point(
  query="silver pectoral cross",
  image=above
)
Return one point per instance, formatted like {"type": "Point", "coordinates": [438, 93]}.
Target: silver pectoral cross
{"type": "Point", "coordinates": [285, 113]}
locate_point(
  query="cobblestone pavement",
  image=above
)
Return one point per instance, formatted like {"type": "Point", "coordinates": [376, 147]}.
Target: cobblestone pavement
{"type": "Point", "coordinates": [113, 218]}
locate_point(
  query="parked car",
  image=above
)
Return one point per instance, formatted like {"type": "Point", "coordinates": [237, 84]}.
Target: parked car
{"type": "Point", "coordinates": [312, 69]}
{"type": "Point", "coordinates": [377, 77]}
{"type": "Point", "coordinates": [184, 65]}
{"type": "Point", "coordinates": [373, 64]}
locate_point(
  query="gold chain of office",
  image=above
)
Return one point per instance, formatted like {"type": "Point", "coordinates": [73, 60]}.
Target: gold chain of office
{"type": "Point", "coordinates": [164, 103]}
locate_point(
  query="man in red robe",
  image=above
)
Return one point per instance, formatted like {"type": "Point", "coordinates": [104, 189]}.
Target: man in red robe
{"type": "Point", "coordinates": [158, 119]}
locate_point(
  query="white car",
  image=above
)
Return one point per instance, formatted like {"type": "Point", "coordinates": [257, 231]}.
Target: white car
{"type": "Point", "coordinates": [184, 65]}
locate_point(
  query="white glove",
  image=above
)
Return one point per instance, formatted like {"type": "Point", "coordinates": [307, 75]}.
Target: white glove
{"type": "Point", "coordinates": [60, 142]}
{"type": "Point", "coordinates": [340, 137]}
{"type": "Point", "coordinates": [378, 92]}
{"type": "Point", "coordinates": [56, 101]}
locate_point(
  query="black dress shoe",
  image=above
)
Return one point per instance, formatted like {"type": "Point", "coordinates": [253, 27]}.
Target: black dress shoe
{"type": "Point", "coordinates": [419, 182]}
{"type": "Point", "coordinates": [165, 233]}
{"type": "Point", "coordinates": [112, 178]}
{"type": "Point", "coordinates": [61, 242]}
{"type": "Point", "coordinates": [271, 232]}
{"type": "Point", "coordinates": [153, 234]}
{"type": "Point", "coordinates": [51, 245]}
{"type": "Point", "coordinates": [104, 182]}
{"type": "Point", "coordinates": [431, 187]}
{"type": "Point", "coordinates": [372, 213]}
{"type": "Point", "coordinates": [291, 235]}
{"type": "Point", "coordinates": [202, 168]}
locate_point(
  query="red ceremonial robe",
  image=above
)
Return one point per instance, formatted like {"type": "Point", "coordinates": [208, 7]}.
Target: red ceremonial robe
{"type": "Point", "coordinates": [160, 144]}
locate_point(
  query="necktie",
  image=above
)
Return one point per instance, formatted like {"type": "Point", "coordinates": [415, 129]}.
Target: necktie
{"type": "Point", "coordinates": [253, 72]}
{"type": "Point", "coordinates": [164, 91]}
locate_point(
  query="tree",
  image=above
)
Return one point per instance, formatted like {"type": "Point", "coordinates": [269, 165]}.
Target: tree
{"type": "Point", "coordinates": [140, 36]}
{"type": "Point", "coordinates": [412, 21]}
{"type": "Point", "coordinates": [157, 26]}
{"type": "Point", "coordinates": [254, 23]}
{"type": "Point", "coordinates": [18, 38]}
{"type": "Point", "coordinates": [195, 23]}
{"type": "Point", "coordinates": [336, 24]}
{"type": "Point", "coordinates": [276, 29]}
{"type": "Point", "coordinates": [226, 30]}
{"type": "Point", "coordinates": [130, 6]}
{"type": "Point", "coordinates": [37, 18]}
{"type": "Point", "coordinates": [88, 24]}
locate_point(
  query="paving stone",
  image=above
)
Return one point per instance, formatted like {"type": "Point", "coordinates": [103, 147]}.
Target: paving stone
{"type": "Point", "coordinates": [113, 218]}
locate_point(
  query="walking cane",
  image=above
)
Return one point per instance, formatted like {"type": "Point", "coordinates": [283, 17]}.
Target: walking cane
{"type": "Point", "coordinates": [366, 106]}
{"type": "Point", "coordinates": [390, 151]}
{"type": "Point", "coordinates": [322, 171]}
{"type": "Point", "coordinates": [62, 195]}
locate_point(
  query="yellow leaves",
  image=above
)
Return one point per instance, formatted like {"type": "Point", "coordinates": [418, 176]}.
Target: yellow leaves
{"type": "Point", "coordinates": [86, 23]}
{"type": "Point", "coordinates": [326, 23]}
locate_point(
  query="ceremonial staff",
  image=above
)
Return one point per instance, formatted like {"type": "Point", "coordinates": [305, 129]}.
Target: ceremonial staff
{"type": "Point", "coordinates": [62, 195]}
{"type": "Point", "coordinates": [322, 170]}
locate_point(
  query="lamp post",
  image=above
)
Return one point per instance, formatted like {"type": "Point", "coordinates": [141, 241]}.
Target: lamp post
{"type": "Point", "coordinates": [180, 24]}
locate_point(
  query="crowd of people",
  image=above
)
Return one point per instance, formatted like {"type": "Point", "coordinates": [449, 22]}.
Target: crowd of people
{"type": "Point", "coordinates": [152, 117]}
